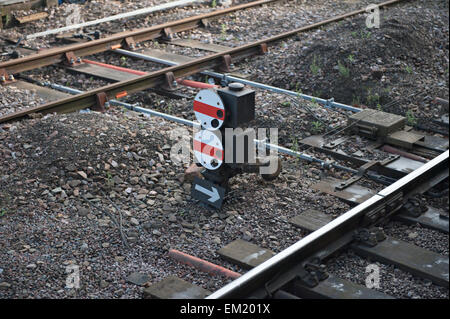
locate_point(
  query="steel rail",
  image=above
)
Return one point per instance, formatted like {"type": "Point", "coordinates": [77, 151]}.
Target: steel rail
{"type": "Point", "coordinates": [277, 271]}
{"type": "Point", "coordinates": [157, 78]}
{"type": "Point", "coordinates": [56, 55]}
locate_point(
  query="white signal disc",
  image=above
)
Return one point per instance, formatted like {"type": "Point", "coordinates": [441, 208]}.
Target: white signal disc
{"type": "Point", "coordinates": [208, 149]}
{"type": "Point", "coordinates": [209, 109]}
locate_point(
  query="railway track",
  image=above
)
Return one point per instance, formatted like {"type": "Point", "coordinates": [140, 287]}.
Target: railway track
{"type": "Point", "coordinates": [394, 154]}
{"type": "Point", "coordinates": [164, 77]}
{"type": "Point", "coordinates": [128, 39]}
{"type": "Point", "coordinates": [298, 271]}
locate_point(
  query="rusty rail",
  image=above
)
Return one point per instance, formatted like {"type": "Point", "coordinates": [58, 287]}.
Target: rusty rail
{"type": "Point", "coordinates": [166, 76]}
{"type": "Point", "coordinates": [122, 39]}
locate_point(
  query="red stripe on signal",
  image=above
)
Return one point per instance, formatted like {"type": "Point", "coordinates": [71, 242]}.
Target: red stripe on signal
{"type": "Point", "coordinates": [208, 110]}
{"type": "Point", "coordinates": [208, 150]}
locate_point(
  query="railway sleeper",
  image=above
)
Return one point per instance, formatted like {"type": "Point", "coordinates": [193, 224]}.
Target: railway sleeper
{"type": "Point", "coordinates": [310, 280]}
{"type": "Point", "coordinates": [335, 288]}
{"type": "Point", "coordinates": [416, 260]}
{"type": "Point", "coordinates": [175, 288]}
{"type": "Point", "coordinates": [432, 218]}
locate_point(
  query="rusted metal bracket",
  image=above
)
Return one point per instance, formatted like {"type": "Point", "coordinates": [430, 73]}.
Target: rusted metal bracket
{"type": "Point", "coordinates": [366, 167]}
{"type": "Point", "coordinates": [102, 99]}
{"type": "Point", "coordinates": [6, 78]}
{"type": "Point", "coordinates": [170, 83]}
{"type": "Point", "coordinates": [130, 43]}
{"type": "Point", "coordinates": [369, 237]}
{"type": "Point", "coordinates": [204, 22]}
{"type": "Point", "coordinates": [71, 59]}
{"type": "Point", "coordinates": [348, 182]}
{"type": "Point", "coordinates": [167, 34]}
{"type": "Point", "coordinates": [263, 48]}
{"type": "Point", "coordinates": [225, 66]}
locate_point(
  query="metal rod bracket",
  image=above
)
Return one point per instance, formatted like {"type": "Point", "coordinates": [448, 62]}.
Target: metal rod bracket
{"type": "Point", "coordinates": [6, 78]}
{"type": "Point", "coordinates": [101, 99]}
{"type": "Point", "coordinates": [71, 59]}
{"type": "Point", "coordinates": [167, 34]}
{"type": "Point", "coordinates": [225, 66]}
{"type": "Point", "coordinates": [169, 82]}
{"type": "Point", "coordinates": [263, 48]}
{"type": "Point", "coordinates": [130, 43]}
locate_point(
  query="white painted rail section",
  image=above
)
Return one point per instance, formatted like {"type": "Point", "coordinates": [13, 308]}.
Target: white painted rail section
{"type": "Point", "coordinates": [160, 7]}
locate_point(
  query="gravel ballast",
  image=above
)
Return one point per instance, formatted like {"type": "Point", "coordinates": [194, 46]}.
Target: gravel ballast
{"type": "Point", "coordinates": [48, 224]}
{"type": "Point", "coordinates": [67, 181]}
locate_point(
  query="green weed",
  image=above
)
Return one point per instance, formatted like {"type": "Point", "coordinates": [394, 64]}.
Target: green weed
{"type": "Point", "coordinates": [314, 67]}
{"type": "Point", "coordinates": [411, 120]}
{"type": "Point", "coordinates": [316, 126]}
{"type": "Point", "coordinates": [343, 71]}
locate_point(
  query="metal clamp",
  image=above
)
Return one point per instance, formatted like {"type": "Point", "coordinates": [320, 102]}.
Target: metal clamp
{"type": "Point", "coordinates": [263, 49]}
{"type": "Point", "coordinates": [101, 99]}
{"type": "Point", "coordinates": [167, 34]}
{"type": "Point", "coordinates": [224, 80]}
{"type": "Point", "coordinates": [327, 164]}
{"type": "Point", "coordinates": [225, 66]}
{"type": "Point", "coordinates": [130, 43]}
{"type": "Point", "coordinates": [170, 83]}
{"type": "Point", "coordinates": [389, 159]}
{"type": "Point", "coordinates": [414, 207]}
{"type": "Point", "coordinates": [313, 273]}
{"type": "Point", "coordinates": [335, 143]}
{"type": "Point", "coordinates": [369, 237]}
{"type": "Point", "coordinates": [71, 59]}
{"type": "Point", "coordinates": [6, 78]}
{"type": "Point", "coordinates": [204, 22]}
{"type": "Point", "coordinates": [361, 171]}
{"type": "Point", "coordinates": [330, 103]}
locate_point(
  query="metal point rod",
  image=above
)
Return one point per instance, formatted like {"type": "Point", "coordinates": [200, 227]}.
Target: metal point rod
{"type": "Point", "coordinates": [228, 78]}
{"type": "Point", "coordinates": [169, 117]}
